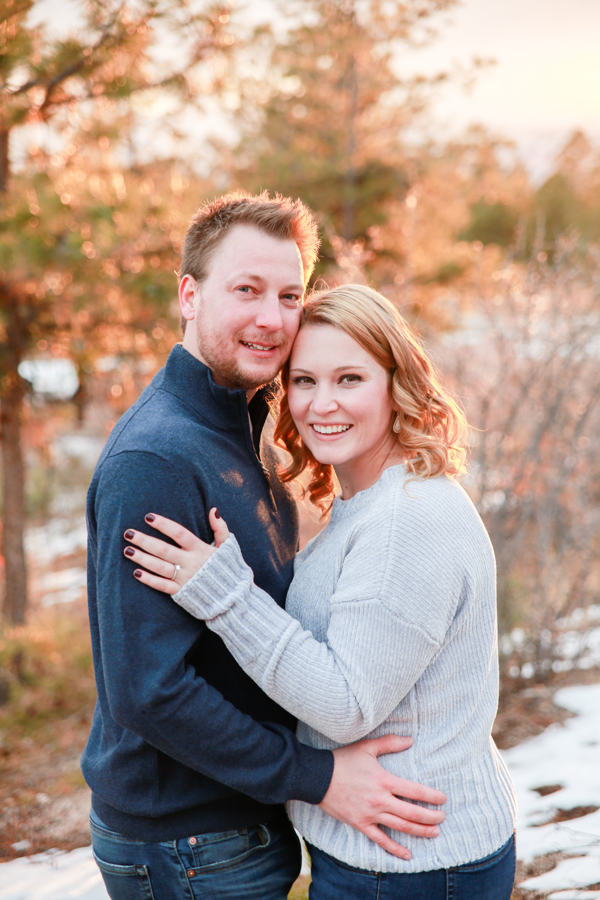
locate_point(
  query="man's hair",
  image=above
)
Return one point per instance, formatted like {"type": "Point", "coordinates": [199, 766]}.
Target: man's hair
{"type": "Point", "coordinates": [280, 217]}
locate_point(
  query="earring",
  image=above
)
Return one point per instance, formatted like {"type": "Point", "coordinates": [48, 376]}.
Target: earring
{"type": "Point", "coordinates": [396, 425]}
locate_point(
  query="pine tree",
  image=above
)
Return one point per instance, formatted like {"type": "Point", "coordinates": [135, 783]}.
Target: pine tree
{"type": "Point", "coordinates": [332, 129]}
{"type": "Point", "coordinates": [63, 239]}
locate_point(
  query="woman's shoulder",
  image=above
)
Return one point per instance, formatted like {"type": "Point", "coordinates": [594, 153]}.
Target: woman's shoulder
{"type": "Point", "coordinates": [408, 504]}
{"type": "Point", "coordinates": [399, 487]}
{"type": "Point", "coordinates": [400, 503]}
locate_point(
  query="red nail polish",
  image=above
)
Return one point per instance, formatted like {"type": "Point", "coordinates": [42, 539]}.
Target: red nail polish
{"type": "Point", "coordinates": [137, 573]}
{"type": "Point", "coordinates": [217, 514]}
{"type": "Point", "coordinates": [129, 534]}
{"type": "Point", "coordinates": [129, 551]}
{"type": "Point", "coordinates": [150, 517]}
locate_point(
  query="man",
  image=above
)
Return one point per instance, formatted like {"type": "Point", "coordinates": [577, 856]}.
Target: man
{"type": "Point", "coordinates": [188, 761]}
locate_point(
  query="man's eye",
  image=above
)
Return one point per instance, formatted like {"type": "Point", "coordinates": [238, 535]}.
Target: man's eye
{"type": "Point", "coordinates": [291, 299]}
{"type": "Point", "coordinates": [245, 288]}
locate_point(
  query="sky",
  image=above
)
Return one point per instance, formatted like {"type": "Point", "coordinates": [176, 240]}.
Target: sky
{"type": "Point", "coordinates": [546, 80]}
{"type": "Point", "coordinates": [544, 85]}
{"type": "Point", "coordinates": [547, 74]}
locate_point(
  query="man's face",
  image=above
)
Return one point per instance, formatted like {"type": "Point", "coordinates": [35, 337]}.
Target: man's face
{"type": "Point", "coordinates": [246, 311]}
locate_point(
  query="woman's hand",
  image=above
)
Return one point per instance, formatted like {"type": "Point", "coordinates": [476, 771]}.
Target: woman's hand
{"type": "Point", "coordinates": [169, 567]}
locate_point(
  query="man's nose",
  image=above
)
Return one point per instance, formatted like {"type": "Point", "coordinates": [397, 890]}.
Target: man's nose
{"type": "Point", "coordinates": [269, 314]}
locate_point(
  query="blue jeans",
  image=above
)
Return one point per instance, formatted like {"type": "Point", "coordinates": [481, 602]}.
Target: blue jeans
{"type": "Point", "coordinates": [258, 863]}
{"type": "Point", "coordinates": [490, 878]}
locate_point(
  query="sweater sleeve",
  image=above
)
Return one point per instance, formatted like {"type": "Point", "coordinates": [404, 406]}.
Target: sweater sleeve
{"type": "Point", "coordinates": [389, 615]}
{"type": "Point", "coordinates": [152, 688]}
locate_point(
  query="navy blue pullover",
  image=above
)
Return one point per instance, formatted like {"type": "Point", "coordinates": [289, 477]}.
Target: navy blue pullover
{"type": "Point", "coordinates": [182, 741]}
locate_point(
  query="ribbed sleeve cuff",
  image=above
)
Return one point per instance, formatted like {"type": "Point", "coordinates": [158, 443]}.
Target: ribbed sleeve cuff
{"type": "Point", "coordinates": [221, 582]}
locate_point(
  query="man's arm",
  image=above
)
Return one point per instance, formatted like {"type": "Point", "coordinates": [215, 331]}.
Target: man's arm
{"type": "Point", "coordinates": [146, 640]}
{"type": "Point", "coordinates": [364, 795]}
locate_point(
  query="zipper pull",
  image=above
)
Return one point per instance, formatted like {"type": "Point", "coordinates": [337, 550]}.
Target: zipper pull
{"type": "Point", "coordinates": [268, 480]}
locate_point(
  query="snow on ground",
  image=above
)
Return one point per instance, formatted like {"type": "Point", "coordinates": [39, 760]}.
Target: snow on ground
{"type": "Point", "coordinates": [63, 586]}
{"type": "Point", "coordinates": [567, 756]}
{"type": "Point", "coordinates": [577, 643]}
{"type": "Point", "coordinates": [53, 876]}
{"type": "Point", "coordinates": [58, 538]}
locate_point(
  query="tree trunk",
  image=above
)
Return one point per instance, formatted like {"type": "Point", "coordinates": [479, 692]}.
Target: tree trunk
{"type": "Point", "coordinates": [11, 410]}
{"type": "Point", "coordinates": [3, 161]}
{"type": "Point", "coordinates": [349, 190]}
{"type": "Point", "coordinates": [15, 594]}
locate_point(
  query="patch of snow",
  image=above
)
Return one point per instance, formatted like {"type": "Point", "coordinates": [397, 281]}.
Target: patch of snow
{"type": "Point", "coordinates": [564, 755]}
{"type": "Point", "coordinates": [580, 835]}
{"type": "Point", "coordinates": [574, 895]}
{"type": "Point", "coordinates": [65, 586]}
{"type": "Point", "coordinates": [70, 595]}
{"type": "Point", "coordinates": [107, 364]}
{"type": "Point", "coordinates": [57, 538]}
{"type": "Point", "coordinates": [570, 873]}
{"type": "Point", "coordinates": [22, 845]}
{"type": "Point", "coordinates": [53, 876]}
{"type": "Point", "coordinates": [83, 447]}
{"type": "Point", "coordinates": [66, 578]}
{"type": "Point", "coordinates": [577, 645]}
{"type": "Point", "coordinates": [582, 646]}
{"type": "Point", "coordinates": [56, 379]}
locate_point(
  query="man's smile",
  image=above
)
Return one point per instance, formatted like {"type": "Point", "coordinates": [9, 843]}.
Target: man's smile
{"type": "Point", "coordinates": [262, 347]}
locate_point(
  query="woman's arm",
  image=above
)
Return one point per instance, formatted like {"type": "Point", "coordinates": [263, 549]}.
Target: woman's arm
{"type": "Point", "coordinates": [388, 617]}
{"type": "Point", "coordinates": [343, 688]}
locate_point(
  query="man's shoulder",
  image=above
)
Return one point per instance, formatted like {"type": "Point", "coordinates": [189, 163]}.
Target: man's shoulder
{"type": "Point", "coordinates": [158, 423]}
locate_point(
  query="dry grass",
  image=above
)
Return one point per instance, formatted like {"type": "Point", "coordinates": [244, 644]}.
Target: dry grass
{"type": "Point", "coordinates": [44, 724]}
{"type": "Point", "coordinates": [299, 890]}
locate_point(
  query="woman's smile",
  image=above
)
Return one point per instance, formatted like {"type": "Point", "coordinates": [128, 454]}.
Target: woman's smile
{"type": "Point", "coordinates": [326, 430]}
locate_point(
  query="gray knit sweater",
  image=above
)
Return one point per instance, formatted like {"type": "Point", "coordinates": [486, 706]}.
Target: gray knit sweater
{"type": "Point", "coordinates": [390, 628]}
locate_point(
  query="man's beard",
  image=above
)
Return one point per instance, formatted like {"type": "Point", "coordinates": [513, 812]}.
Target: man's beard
{"type": "Point", "coordinates": [227, 369]}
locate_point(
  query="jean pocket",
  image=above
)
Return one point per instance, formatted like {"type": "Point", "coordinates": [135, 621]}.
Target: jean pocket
{"type": "Point", "coordinates": [225, 849]}
{"type": "Point", "coordinates": [327, 860]}
{"type": "Point", "coordinates": [493, 859]}
{"type": "Point", "coordinates": [125, 882]}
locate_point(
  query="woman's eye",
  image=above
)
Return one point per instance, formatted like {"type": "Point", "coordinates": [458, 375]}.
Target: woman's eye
{"type": "Point", "coordinates": [302, 379]}
{"type": "Point", "coordinates": [348, 379]}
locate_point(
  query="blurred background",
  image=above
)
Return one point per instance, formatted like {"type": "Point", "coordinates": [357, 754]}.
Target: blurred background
{"type": "Point", "coordinates": [451, 152]}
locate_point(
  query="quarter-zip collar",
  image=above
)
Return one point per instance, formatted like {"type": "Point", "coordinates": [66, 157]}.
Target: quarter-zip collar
{"type": "Point", "coordinates": [221, 407]}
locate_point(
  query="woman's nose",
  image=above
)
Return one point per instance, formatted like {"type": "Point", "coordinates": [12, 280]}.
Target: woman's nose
{"type": "Point", "coordinates": [323, 402]}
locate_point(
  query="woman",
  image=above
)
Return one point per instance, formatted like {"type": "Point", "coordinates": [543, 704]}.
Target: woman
{"type": "Point", "coordinates": [390, 621]}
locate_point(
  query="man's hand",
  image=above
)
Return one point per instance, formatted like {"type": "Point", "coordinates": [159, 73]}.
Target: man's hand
{"type": "Point", "coordinates": [364, 795]}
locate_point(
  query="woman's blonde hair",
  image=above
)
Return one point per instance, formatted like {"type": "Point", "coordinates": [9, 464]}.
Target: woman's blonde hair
{"type": "Point", "coordinates": [432, 426]}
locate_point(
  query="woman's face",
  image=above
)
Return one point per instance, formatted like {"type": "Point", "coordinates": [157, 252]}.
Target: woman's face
{"type": "Point", "coordinates": [340, 399]}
